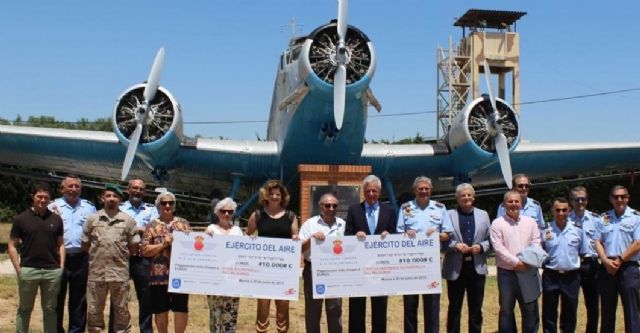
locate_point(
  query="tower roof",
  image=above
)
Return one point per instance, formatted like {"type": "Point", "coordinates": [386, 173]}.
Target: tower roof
{"type": "Point", "coordinates": [482, 18]}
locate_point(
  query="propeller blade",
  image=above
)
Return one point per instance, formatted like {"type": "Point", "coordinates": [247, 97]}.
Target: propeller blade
{"type": "Point", "coordinates": [487, 76]}
{"type": "Point", "coordinates": [503, 157]}
{"type": "Point", "coordinates": [154, 76]}
{"type": "Point", "coordinates": [339, 91]}
{"type": "Point", "coordinates": [131, 151]}
{"type": "Point", "coordinates": [342, 18]}
{"type": "Point", "coordinates": [499, 140]}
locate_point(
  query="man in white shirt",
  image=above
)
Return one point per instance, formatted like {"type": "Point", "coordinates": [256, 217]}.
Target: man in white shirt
{"type": "Point", "coordinates": [323, 226]}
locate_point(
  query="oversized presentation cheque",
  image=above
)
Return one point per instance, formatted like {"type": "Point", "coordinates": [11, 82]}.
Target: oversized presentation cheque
{"type": "Point", "coordinates": [235, 266]}
{"type": "Point", "coordinates": [396, 265]}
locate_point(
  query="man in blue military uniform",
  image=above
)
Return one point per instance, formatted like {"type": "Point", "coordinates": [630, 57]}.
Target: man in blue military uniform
{"type": "Point", "coordinates": [530, 207]}
{"type": "Point", "coordinates": [423, 215]}
{"type": "Point", "coordinates": [74, 212]}
{"type": "Point", "coordinates": [143, 213]}
{"type": "Point", "coordinates": [618, 235]}
{"type": "Point", "coordinates": [589, 265]}
{"type": "Point", "coordinates": [561, 277]}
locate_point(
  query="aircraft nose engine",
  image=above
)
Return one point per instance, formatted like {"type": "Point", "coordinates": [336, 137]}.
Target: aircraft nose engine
{"type": "Point", "coordinates": [161, 129]}
{"type": "Point", "coordinates": [324, 54]}
{"type": "Point", "coordinates": [337, 67]}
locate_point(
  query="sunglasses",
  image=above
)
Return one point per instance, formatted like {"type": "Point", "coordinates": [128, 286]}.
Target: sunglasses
{"type": "Point", "coordinates": [561, 210]}
{"type": "Point", "coordinates": [523, 186]}
{"type": "Point", "coordinates": [167, 203]}
{"type": "Point", "coordinates": [327, 206]}
{"type": "Point", "coordinates": [580, 199]}
{"type": "Point", "coordinates": [620, 197]}
{"type": "Point", "coordinates": [226, 211]}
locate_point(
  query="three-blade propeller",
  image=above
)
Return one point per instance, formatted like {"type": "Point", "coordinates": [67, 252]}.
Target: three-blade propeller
{"type": "Point", "coordinates": [341, 59]}
{"type": "Point", "coordinates": [499, 139]}
{"type": "Point", "coordinates": [142, 114]}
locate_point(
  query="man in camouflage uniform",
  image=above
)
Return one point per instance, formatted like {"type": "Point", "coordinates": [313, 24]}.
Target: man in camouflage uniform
{"type": "Point", "coordinates": [109, 237]}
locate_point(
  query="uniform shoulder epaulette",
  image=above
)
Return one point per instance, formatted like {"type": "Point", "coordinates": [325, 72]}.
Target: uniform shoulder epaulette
{"type": "Point", "coordinates": [85, 201]}
{"type": "Point", "coordinates": [148, 205]}
{"type": "Point", "coordinates": [439, 205]}
{"type": "Point", "coordinates": [594, 214]}
{"type": "Point", "coordinates": [635, 212]}
{"type": "Point", "coordinates": [535, 201]}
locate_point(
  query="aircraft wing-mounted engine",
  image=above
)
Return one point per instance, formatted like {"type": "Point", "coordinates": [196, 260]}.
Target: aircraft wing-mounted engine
{"type": "Point", "coordinates": [471, 136]}
{"type": "Point", "coordinates": [147, 119]}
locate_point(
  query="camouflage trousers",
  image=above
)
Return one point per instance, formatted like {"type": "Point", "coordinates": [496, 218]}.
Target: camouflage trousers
{"type": "Point", "coordinates": [223, 313]}
{"type": "Point", "coordinates": [96, 297]}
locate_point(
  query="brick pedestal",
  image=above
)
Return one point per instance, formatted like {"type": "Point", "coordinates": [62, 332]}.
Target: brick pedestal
{"type": "Point", "coordinates": [344, 181]}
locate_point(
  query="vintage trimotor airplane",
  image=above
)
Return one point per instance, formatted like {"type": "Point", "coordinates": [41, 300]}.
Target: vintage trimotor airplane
{"type": "Point", "coordinates": [318, 116]}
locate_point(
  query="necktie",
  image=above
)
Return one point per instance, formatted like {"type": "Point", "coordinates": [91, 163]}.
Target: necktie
{"type": "Point", "coordinates": [371, 220]}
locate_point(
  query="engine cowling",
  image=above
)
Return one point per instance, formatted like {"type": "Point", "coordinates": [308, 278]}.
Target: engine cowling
{"type": "Point", "coordinates": [162, 131]}
{"type": "Point", "coordinates": [470, 137]}
{"type": "Point", "coordinates": [317, 65]}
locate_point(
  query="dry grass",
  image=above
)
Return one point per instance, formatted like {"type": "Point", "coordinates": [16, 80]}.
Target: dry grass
{"type": "Point", "coordinates": [199, 322]}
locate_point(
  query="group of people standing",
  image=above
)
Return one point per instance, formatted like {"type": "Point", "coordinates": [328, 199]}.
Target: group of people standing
{"type": "Point", "coordinates": [599, 253]}
{"type": "Point", "coordinates": [67, 247]}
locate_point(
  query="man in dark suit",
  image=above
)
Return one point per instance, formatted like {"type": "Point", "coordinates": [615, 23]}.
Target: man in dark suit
{"type": "Point", "coordinates": [465, 260]}
{"type": "Point", "coordinates": [370, 217]}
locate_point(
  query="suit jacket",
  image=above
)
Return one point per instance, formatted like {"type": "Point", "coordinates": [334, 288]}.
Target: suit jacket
{"type": "Point", "coordinates": [453, 259]}
{"type": "Point", "coordinates": [357, 220]}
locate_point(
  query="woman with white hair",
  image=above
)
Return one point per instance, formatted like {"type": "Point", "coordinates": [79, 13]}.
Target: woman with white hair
{"type": "Point", "coordinates": [223, 310]}
{"type": "Point", "coordinates": [156, 245]}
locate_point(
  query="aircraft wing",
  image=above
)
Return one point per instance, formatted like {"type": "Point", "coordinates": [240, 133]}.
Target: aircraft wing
{"type": "Point", "coordinates": [200, 165]}
{"type": "Point", "coordinates": [402, 163]}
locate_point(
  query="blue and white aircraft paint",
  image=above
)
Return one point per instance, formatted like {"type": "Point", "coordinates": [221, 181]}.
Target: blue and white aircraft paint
{"type": "Point", "coordinates": [318, 116]}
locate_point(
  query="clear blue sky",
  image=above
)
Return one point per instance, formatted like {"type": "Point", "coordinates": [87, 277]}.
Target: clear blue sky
{"type": "Point", "coordinates": [72, 59]}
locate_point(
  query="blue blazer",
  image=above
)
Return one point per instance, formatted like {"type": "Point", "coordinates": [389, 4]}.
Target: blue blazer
{"type": "Point", "coordinates": [453, 259]}
{"type": "Point", "coordinates": [357, 220]}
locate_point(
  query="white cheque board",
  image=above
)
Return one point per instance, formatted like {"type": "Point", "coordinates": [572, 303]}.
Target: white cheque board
{"type": "Point", "coordinates": [235, 266]}
{"type": "Point", "coordinates": [395, 265]}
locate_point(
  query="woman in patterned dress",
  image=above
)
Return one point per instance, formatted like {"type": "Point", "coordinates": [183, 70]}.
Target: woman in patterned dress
{"type": "Point", "coordinates": [156, 245]}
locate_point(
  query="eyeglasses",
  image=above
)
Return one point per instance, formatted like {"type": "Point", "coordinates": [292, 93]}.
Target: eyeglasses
{"type": "Point", "coordinates": [561, 210]}
{"type": "Point", "coordinates": [620, 196]}
{"type": "Point", "coordinates": [167, 203]}
{"type": "Point", "coordinates": [580, 199]}
{"type": "Point", "coordinates": [327, 206]}
{"type": "Point", "coordinates": [523, 186]}
{"type": "Point", "coordinates": [226, 211]}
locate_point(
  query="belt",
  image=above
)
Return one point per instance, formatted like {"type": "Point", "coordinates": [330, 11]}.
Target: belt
{"type": "Point", "coordinates": [467, 258]}
{"type": "Point", "coordinates": [588, 259]}
{"type": "Point", "coordinates": [558, 271]}
{"type": "Point", "coordinates": [74, 254]}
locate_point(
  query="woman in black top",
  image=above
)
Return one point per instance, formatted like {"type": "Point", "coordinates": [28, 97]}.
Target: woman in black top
{"type": "Point", "coordinates": [273, 220]}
